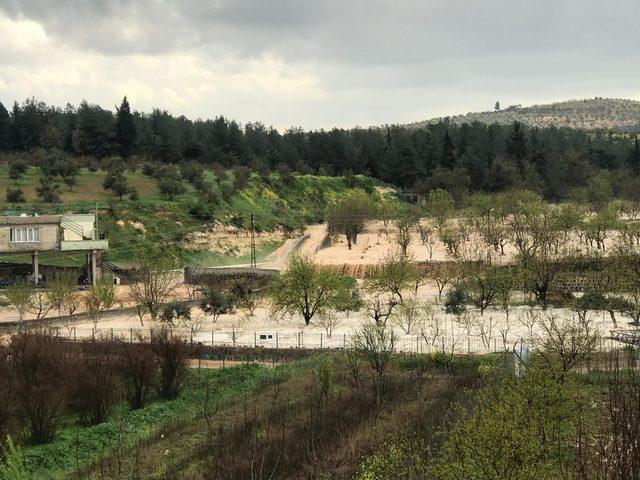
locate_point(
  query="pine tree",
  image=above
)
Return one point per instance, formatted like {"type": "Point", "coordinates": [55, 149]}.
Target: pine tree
{"type": "Point", "coordinates": [5, 129]}
{"type": "Point", "coordinates": [634, 158]}
{"type": "Point", "coordinates": [448, 152]}
{"type": "Point", "coordinates": [497, 107]}
{"type": "Point", "coordinates": [517, 145]}
{"type": "Point", "coordinates": [16, 141]}
{"type": "Point", "coordinates": [125, 129]}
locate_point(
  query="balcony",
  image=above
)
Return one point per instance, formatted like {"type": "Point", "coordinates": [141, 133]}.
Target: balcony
{"type": "Point", "coordinates": [82, 245]}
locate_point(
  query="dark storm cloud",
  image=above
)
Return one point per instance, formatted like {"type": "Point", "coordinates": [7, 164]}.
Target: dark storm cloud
{"type": "Point", "coordinates": [354, 32]}
{"type": "Point", "coordinates": [325, 62]}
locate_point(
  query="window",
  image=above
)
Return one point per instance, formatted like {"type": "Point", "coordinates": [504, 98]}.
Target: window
{"type": "Point", "coordinates": [24, 235]}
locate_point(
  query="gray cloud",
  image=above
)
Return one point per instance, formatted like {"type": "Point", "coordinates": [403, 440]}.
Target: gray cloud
{"type": "Point", "coordinates": [361, 57]}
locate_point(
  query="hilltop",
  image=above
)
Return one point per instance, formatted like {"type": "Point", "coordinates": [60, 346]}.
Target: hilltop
{"type": "Point", "coordinates": [589, 114]}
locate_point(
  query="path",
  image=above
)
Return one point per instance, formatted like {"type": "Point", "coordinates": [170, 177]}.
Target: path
{"type": "Point", "coordinates": [313, 236]}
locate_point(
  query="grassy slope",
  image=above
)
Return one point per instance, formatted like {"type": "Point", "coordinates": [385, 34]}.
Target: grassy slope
{"type": "Point", "coordinates": [292, 202]}
{"type": "Point", "coordinates": [79, 446]}
{"type": "Point", "coordinates": [87, 191]}
{"type": "Point", "coordinates": [272, 425]}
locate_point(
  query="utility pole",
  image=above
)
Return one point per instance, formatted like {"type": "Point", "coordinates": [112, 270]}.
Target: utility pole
{"type": "Point", "coordinates": [253, 239]}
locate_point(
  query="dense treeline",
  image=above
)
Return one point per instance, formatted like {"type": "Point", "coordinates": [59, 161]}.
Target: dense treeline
{"type": "Point", "coordinates": [559, 163]}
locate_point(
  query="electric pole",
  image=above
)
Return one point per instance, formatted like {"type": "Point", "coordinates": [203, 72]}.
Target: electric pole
{"type": "Point", "coordinates": [253, 239]}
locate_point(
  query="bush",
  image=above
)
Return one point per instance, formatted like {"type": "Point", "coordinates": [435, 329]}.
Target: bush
{"type": "Point", "coordinates": [138, 371]}
{"type": "Point", "coordinates": [15, 195]}
{"type": "Point", "coordinates": [172, 359]}
{"type": "Point", "coordinates": [48, 190]}
{"type": "Point", "coordinates": [39, 374]}
{"type": "Point", "coordinates": [149, 169]}
{"type": "Point", "coordinates": [6, 400]}
{"type": "Point", "coordinates": [94, 384]}
{"type": "Point", "coordinates": [455, 301]}
{"type": "Point", "coordinates": [170, 187]}
{"type": "Point", "coordinates": [216, 303]}
{"type": "Point", "coordinates": [17, 168]}
{"type": "Point", "coordinates": [175, 312]}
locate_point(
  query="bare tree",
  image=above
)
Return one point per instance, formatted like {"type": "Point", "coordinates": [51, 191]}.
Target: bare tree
{"type": "Point", "coordinates": [376, 345]}
{"type": "Point", "coordinates": [99, 299]}
{"type": "Point", "coordinates": [563, 344]}
{"type": "Point", "coordinates": [329, 321]}
{"type": "Point", "coordinates": [484, 327]}
{"type": "Point", "coordinates": [380, 307]}
{"type": "Point", "coordinates": [409, 315]}
{"type": "Point", "coordinates": [153, 282]}
{"type": "Point", "coordinates": [405, 226]}
{"type": "Point", "coordinates": [428, 237]}
{"type": "Point", "coordinates": [434, 325]}
{"type": "Point", "coordinates": [40, 304]}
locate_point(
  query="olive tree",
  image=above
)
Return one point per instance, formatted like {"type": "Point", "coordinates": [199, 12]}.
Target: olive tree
{"type": "Point", "coordinates": [348, 215]}
{"type": "Point", "coordinates": [19, 297]}
{"type": "Point", "coordinates": [305, 288]}
{"type": "Point", "coordinates": [439, 205]}
{"type": "Point", "coordinates": [394, 275]}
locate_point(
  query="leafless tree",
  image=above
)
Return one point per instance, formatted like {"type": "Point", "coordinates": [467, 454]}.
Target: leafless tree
{"type": "Point", "coordinates": [380, 307]}
{"type": "Point", "coordinates": [329, 321]}
{"type": "Point", "coordinates": [563, 344]}
{"type": "Point", "coordinates": [375, 344]}
{"type": "Point", "coordinates": [409, 315]}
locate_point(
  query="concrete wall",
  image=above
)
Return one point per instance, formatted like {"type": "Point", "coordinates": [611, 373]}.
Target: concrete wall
{"type": "Point", "coordinates": [49, 239]}
{"type": "Point", "coordinates": [84, 222]}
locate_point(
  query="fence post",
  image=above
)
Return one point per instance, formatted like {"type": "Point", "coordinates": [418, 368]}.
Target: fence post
{"type": "Point", "coordinates": [276, 339]}
{"type": "Point", "coordinates": [442, 343]}
{"type": "Point", "coordinates": [468, 345]}
{"type": "Point", "coordinates": [255, 339]}
{"type": "Point", "coordinates": [417, 344]}
{"type": "Point", "coordinates": [495, 345]}
{"type": "Point", "coordinates": [112, 334]}
{"type": "Point", "coordinates": [320, 340]}
{"type": "Point", "coordinates": [298, 339]}
{"type": "Point", "coordinates": [75, 339]}
{"type": "Point", "coordinates": [212, 338]}
{"type": "Point", "coordinates": [344, 340]}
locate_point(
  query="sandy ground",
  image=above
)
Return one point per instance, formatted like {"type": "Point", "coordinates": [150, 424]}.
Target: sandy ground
{"type": "Point", "coordinates": [377, 240]}
{"type": "Point", "coordinates": [471, 333]}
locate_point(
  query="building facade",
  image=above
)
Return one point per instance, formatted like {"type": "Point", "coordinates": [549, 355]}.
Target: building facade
{"type": "Point", "coordinates": [53, 233]}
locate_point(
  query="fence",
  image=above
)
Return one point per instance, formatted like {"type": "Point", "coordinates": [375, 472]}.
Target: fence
{"type": "Point", "coordinates": [455, 345]}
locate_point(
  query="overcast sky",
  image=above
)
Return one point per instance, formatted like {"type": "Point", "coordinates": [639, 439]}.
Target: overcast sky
{"type": "Point", "coordinates": [318, 64]}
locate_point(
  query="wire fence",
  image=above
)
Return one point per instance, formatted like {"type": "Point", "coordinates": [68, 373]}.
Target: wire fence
{"type": "Point", "coordinates": [455, 345]}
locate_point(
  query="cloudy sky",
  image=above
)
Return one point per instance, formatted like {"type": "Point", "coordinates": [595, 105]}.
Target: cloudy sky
{"type": "Point", "coordinates": [318, 64]}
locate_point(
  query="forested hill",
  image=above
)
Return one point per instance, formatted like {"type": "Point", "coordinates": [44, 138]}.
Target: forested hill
{"type": "Point", "coordinates": [559, 163]}
{"type": "Point", "coordinates": [590, 114]}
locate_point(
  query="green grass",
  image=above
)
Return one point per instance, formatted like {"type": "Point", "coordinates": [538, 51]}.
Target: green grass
{"type": "Point", "coordinates": [88, 189]}
{"type": "Point", "coordinates": [79, 446]}
{"type": "Point", "coordinates": [277, 202]}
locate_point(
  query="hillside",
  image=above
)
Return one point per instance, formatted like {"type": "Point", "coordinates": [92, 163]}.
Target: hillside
{"type": "Point", "coordinates": [589, 114]}
{"type": "Point", "coordinates": [203, 232]}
